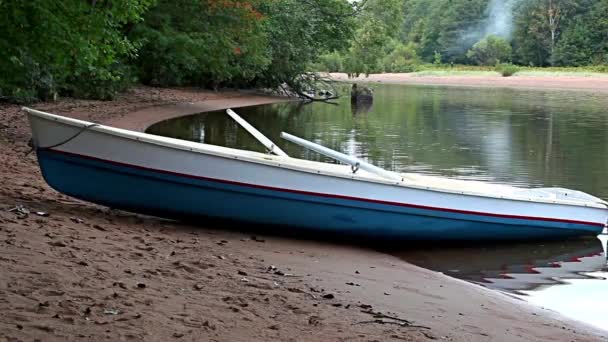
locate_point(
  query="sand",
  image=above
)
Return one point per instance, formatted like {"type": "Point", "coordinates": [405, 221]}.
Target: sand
{"type": "Point", "coordinates": [593, 84]}
{"type": "Point", "coordinates": [78, 271]}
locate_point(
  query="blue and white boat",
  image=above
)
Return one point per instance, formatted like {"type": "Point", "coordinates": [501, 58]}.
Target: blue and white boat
{"type": "Point", "coordinates": [168, 177]}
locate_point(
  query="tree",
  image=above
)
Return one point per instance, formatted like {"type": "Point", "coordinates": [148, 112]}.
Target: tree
{"type": "Point", "coordinates": [402, 58]}
{"type": "Point", "coordinates": [584, 40]}
{"type": "Point", "coordinates": [490, 51]}
{"type": "Point", "coordinates": [239, 42]}
{"type": "Point", "coordinates": [377, 27]}
{"type": "Point", "coordinates": [445, 26]}
{"type": "Point", "coordinates": [539, 24]}
{"type": "Point", "coordinates": [69, 47]}
{"type": "Point", "coordinates": [205, 43]}
{"type": "Point", "coordinates": [301, 31]}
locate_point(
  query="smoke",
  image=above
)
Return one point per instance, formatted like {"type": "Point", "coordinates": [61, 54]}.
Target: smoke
{"type": "Point", "coordinates": [498, 21]}
{"type": "Point", "coordinates": [500, 18]}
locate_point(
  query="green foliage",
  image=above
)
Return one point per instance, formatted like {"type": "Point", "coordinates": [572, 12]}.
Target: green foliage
{"type": "Point", "coordinates": [49, 47]}
{"type": "Point", "coordinates": [442, 26]}
{"type": "Point", "coordinates": [97, 48]}
{"type": "Point", "coordinates": [377, 28]}
{"type": "Point", "coordinates": [190, 42]}
{"type": "Point", "coordinates": [556, 32]}
{"type": "Point", "coordinates": [507, 69]}
{"type": "Point", "coordinates": [403, 58]}
{"type": "Point", "coordinates": [298, 33]}
{"type": "Point", "coordinates": [237, 42]}
{"type": "Point", "coordinates": [331, 62]}
{"type": "Point", "coordinates": [584, 41]}
{"type": "Point", "coordinates": [490, 50]}
{"type": "Point", "coordinates": [437, 58]}
{"type": "Point", "coordinates": [369, 45]}
{"type": "Point", "coordinates": [559, 32]}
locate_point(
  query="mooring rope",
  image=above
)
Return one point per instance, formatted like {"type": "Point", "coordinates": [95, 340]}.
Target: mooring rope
{"type": "Point", "coordinates": [82, 130]}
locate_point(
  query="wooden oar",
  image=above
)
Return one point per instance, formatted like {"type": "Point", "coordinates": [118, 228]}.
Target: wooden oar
{"type": "Point", "coordinates": [272, 147]}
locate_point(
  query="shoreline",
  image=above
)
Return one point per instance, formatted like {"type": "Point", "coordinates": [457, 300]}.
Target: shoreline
{"type": "Point", "coordinates": [91, 272]}
{"type": "Point", "coordinates": [592, 84]}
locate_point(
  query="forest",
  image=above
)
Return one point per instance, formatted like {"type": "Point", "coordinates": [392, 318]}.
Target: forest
{"type": "Point", "coordinates": [399, 35]}
{"type": "Point", "coordinates": [98, 48]}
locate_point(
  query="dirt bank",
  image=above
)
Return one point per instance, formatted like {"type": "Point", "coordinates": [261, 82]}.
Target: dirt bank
{"type": "Point", "coordinates": [87, 272]}
{"type": "Point", "coordinates": [592, 83]}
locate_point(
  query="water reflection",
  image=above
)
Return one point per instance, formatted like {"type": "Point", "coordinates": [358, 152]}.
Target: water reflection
{"type": "Point", "coordinates": [360, 108]}
{"type": "Point", "coordinates": [513, 267]}
{"type": "Point", "coordinates": [567, 277]}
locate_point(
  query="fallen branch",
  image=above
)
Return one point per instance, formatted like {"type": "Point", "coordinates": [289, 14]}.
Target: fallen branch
{"type": "Point", "coordinates": [313, 82]}
{"type": "Point", "coordinates": [312, 98]}
{"type": "Point", "coordinates": [401, 324]}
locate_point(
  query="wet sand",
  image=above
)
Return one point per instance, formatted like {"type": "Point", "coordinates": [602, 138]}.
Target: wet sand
{"type": "Point", "coordinates": [593, 84]}
{"type": "Point", "coordinates": [85, 272]}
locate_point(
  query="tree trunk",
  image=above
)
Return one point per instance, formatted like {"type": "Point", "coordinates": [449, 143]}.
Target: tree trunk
{"type": "Point", "coordinates": [554, 14]}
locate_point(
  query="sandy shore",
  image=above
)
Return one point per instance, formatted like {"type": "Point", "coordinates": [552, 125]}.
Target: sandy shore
{"type": "Point", "coordinates": [85, 272]}
{"type": "Point", "coordinates": [591, 84]}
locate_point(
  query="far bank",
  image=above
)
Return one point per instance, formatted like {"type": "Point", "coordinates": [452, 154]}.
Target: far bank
{"type": "Point", "coordinates": [593, 83]}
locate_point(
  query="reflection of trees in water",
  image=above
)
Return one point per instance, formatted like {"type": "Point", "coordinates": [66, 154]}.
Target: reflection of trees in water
{"type": "Point", "coordinates": [360, 108]}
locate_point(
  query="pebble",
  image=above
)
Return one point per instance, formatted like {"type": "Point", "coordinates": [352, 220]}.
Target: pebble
{"type": "Point", "coordinates": [57, 244]}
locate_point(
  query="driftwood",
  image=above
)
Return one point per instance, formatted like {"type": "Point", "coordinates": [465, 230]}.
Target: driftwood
{"type": "Point", "coordinates": [306, 86]}
{"type": "Point", "coordinates": [380, 318]}
{"type": "Point", "coordinates": [310, 98]}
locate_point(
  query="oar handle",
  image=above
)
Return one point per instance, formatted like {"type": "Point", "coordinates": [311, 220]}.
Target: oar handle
{"type": "Point", "coordinates": [356, 163]}
{"type": "Point", "coordinates": [272, 147]}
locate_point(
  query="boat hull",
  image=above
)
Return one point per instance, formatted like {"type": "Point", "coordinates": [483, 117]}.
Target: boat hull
{"type": "Point", "coordinates": [149, 190]}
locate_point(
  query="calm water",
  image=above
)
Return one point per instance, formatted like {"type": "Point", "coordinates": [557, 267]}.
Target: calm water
{"type": "Point", "coordinates": [526, 138]}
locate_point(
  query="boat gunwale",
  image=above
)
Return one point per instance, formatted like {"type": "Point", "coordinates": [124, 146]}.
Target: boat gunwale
{"type": "Point", "coordinates": [278, 161]}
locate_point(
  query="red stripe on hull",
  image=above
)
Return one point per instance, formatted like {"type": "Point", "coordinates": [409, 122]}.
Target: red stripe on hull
{"type": "Point", "coordinates": [409, 205]}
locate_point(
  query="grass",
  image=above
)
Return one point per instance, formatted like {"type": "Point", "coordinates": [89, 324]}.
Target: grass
{"type": "Point", "coordinates": [450, 72]}
{"type": "Point", "coordinates": [473, 70]}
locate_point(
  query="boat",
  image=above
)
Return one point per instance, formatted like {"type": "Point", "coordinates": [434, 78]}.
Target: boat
{"type": "Point", "coordinates": [172, 178]}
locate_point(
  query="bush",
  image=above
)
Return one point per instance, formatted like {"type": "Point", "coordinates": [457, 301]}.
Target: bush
{"type": "Point", "coordinates": [600, 68]}
{"type": "Point", "coordinates": [437, 58]}
{"type": "Point", "coordinates": [331, 62]}
{"type": "Point", "coordinates": [403, 58]}
{"type": "Point", "coordinates": [58, 47]}
{"type": "Point", "coordinates": [26, 81]}
{"type": "Point", "coordinates": [506, 69]}
{"type": "Point", "coordinates": [101, 86]}
{"type": "Point", "coordinates": [490, 51]}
